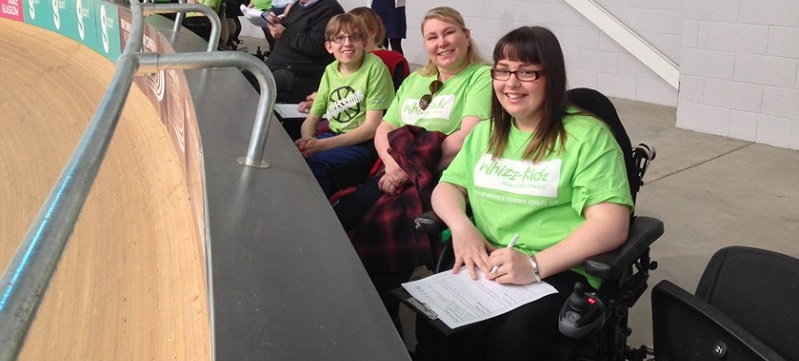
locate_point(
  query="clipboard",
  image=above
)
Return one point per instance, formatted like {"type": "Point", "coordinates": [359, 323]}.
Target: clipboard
{"type": "Point", "coordinates": [486, 299]}
{"type": "Point", "coordinates": [290, 118]}
{"type": "Point", "coordinates": [425, 313]}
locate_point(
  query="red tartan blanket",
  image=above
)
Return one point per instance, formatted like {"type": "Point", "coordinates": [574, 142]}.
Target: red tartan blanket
{"type": "Point", "coordinates": [386, 239]}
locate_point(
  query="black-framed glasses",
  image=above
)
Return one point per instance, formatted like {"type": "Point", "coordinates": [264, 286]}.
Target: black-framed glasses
{"type": "Point", "coordinates": [435, 86]}
{"type": "Point", "coordinates": [522, 74]}
{"type": "Point", "coordinates": [341, 39]}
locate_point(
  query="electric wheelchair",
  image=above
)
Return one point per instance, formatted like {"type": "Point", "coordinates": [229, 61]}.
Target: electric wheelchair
{"type": "Point", "coordinates": [743, 308]}
{"type": "Point", "coordinates": [624, 271]}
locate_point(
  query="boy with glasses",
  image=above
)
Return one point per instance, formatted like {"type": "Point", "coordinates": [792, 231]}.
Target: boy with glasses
{"type": "Point", "coordinates": [355, 90]}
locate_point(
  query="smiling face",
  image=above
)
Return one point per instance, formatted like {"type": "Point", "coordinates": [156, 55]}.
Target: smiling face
{"type": "Point", "coordinates": [447, 45]}
{"type": "Point", "coordinates": [346, 38]}
{"type": "Point", "coordinates": [521, 99]}
{"type": "Point", "coordinates": [347, 48]}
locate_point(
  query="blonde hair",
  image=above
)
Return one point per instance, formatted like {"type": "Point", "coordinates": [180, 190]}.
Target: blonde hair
{"type": "Point", "coordinates": [452, 16]}
{"type": "Point", "coordinates": [372, 22]}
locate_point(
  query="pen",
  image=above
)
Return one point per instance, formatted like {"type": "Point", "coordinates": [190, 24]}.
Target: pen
{"type": "Point", "coordinates": [510, 245]}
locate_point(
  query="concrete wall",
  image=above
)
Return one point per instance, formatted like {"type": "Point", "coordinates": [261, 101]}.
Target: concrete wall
{"type": "Point", "coordinates": [738, 59]}
{"type": "Point", "coordinates": [592, 58]}
{"type": "Point", "coordinates": [739, 70]}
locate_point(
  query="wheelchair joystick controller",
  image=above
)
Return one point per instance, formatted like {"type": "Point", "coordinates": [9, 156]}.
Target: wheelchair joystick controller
{"type": "Point", "coordinates": [581, 314]}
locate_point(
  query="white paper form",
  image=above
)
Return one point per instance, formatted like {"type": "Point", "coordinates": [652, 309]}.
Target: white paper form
{"type": "Point", "coordinates": [289, 111]}
{"type": "Point", "coordinates": [254, 16]}
{"type": "Point", "coordinates": [458, 300]}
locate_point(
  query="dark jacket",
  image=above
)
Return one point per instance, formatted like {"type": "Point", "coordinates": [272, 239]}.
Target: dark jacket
{"type": "Point", "coordinates": [301, 47]}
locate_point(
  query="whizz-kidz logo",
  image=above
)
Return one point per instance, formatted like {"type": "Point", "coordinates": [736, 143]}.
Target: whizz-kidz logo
{"type": "Point", "coordinates": [439, 108]}
{"type": "Point", "coordinates": [520, 177]}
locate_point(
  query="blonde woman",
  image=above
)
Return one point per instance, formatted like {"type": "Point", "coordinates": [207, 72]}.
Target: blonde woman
{"type": "Point", "coordinates": [451, 94]}
{"type": "Point", "coordinates": [444, 100]}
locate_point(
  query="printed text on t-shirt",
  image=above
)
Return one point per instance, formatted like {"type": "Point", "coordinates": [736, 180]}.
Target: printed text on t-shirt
{"type": "Point", "coordinates": [518, 176]}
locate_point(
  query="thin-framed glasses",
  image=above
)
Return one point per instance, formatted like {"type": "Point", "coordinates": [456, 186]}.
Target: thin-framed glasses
{"type": "Point", "coordinates": [521, 74]}
{"type": "Point", "coordinates": [435, 86]}
{"type": "Point", "coordinates": [341, 39]}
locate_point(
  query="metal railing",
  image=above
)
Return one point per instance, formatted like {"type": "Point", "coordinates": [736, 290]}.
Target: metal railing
{"type": "Point", "coordinates": [27, 276]}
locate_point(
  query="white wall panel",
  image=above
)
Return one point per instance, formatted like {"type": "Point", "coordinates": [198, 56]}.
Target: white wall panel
{"type": "Point", "coordinates": [738, 59]}
{"type": "Point", "coordinates": [774, 131]}
{"type": "Point", "coordinates": [743, 125]}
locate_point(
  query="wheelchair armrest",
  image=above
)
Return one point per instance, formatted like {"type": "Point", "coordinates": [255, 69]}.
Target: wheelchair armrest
{"type": "Point", "coordinates": [685, 326]}
{"type": "Point", "coordinates": [610, 265]}
{"type": "Point", "coordinates": [429, 222]}
{"type": "Point", "coordinates": [643, 232]}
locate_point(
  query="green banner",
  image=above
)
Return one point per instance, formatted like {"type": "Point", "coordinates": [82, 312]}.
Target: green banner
{"type": "Point", "coordinates": [106, 23]}
{"type": "Point", "coordinates": [40, 13]}
{"type": "Point", "coordinates": [87, 24]}
{"type": "Point", "coordinates": [65, 18]}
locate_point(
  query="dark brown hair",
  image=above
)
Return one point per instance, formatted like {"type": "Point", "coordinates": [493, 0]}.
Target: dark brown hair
{"type": "Point", "coordinates": [534, 45]}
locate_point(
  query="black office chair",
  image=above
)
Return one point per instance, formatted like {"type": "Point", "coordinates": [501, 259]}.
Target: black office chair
{"type": "Point", "coordinates": [744, 309]}
{"type": "Point", "coordinates": [624, 271]}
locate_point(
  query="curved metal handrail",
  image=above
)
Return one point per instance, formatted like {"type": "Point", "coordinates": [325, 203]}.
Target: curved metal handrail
{"type": "Point", "coordinates": [178, 19]}
{"type": "Point", "coordinates": [27, 276]}
{"type": "Point", "coordinates": [181, 9]}
{"type": "Point", "coordinates": [152, 62]}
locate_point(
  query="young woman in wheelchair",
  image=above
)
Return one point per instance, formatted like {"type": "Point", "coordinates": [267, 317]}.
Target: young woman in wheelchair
{"type": "Point", "coordinates": [542, 169]}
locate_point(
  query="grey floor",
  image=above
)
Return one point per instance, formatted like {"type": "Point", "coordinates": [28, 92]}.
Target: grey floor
{"type": "Point", "coordinates": [710, 192]}
{"type": "Point", "coordinates": [251, 43]}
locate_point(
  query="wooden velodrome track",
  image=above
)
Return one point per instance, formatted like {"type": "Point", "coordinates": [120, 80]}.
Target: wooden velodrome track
{"type": "Point", "coordinates": [130, 284]}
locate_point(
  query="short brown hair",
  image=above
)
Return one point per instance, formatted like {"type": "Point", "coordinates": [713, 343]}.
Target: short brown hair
{"type": "Point", "coordinates": [346, 23]}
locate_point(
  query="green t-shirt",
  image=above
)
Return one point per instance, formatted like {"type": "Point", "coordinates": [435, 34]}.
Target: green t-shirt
{"type": "Point", "coordinates": [541, 202]}
{"type": "Point", "coordinates": [466, 94]}
{"type": "Point", "coordinates": [213, 4]}
{"type": "Point", "coordinates": [346, 98]}
{"type": "Point", "coordinates": [262, 5]}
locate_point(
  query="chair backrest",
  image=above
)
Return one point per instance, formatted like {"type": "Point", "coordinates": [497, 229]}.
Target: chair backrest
{"type": "Point", "coordinates": [396, 63]}
{"type": "Point", "coordinates": [598, 104]}
{"type": "Point", "coordinates": [758, 289]}
{"type": "Point", "coordinates": [685, 328]}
